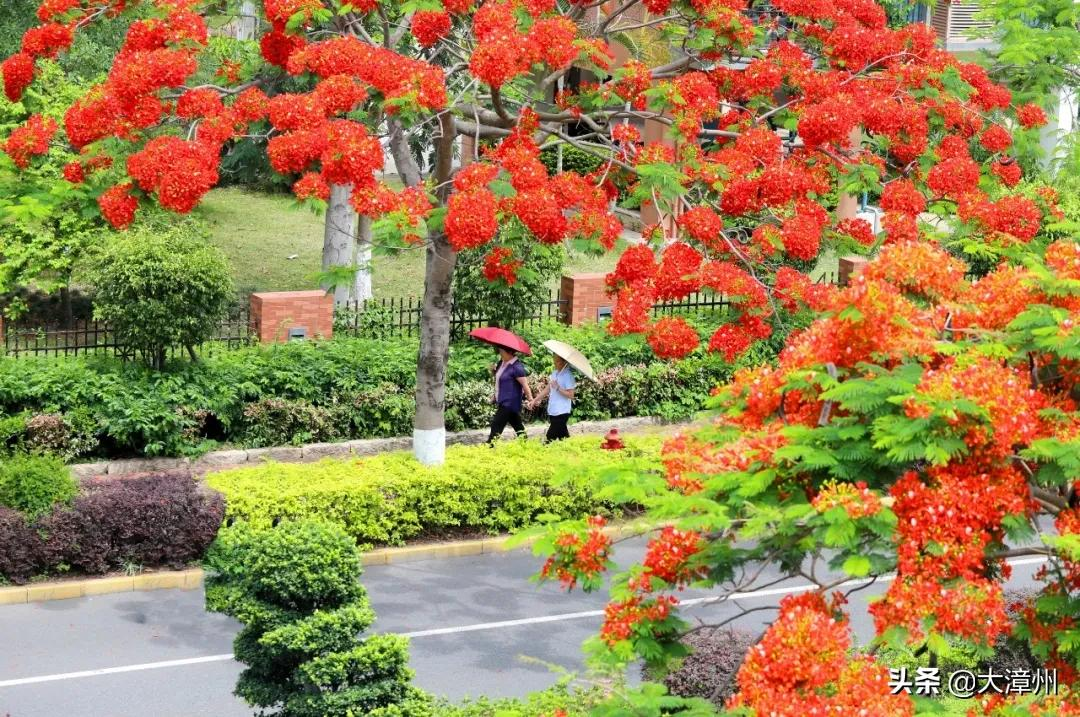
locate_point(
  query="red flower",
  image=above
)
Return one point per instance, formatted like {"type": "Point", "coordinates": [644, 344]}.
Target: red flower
{"type": "Point", "coordinates": [677, 275]}
{"type": "Point", "coordinates": [430, 26]}
{"type": "Point", "coordinates": [1030, 116]}
{"type": "Point", "coordinates": [902, 196]}
{"type": "Point", "coordinates": [953, 177]}
{"type": "Point", "coordinates": [118, 205]}
{"type": "Point", "coordinates": [47, 40]}
{"type": "Point", "coordinates": [636, 265]}
{"type": "Point", "coordinates": [311, 186]}
{"type": "Point", "coordinates": [996, 139]}
{"type": "Point", "coordinates": [731, 340]}
{"type": "Point", "coordinates": [1008, 171]}
{"type": "Point", "coordinates": [500, 264]}
{"type": "Point", "coordinates": [672, 338]}
{"type": "Point", "coordinates": [18, 73]}
{"type": "Point", "coordinates": [471, 219]}
{"type": "Point", "coordinates": [30, 139]}
{"type": "Point", "coordinates": [73, 172]}
{"type": "Point", "coordinates": [858, 230]}
{"type": "Point", "coordinates": [703, 225]}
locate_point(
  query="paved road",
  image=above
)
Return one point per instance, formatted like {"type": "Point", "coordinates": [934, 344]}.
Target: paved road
{"type": "Point", "coordinates": [470, 619]}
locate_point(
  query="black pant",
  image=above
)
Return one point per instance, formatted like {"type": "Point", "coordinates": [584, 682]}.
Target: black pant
{"type": "Point", "coordinates": [557, 429]}
{"type": "Point", "coordinates": [502, 417]}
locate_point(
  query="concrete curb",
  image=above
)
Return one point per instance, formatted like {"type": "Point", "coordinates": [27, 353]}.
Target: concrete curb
{"type": "Point", "coordinates": [217, 460]}
{"type": "Point", "coordinates": [192, 578]}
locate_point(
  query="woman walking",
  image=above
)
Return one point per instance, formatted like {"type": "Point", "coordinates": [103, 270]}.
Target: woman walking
{"type": "Point", "coordinates": [560, 395]}
{"type": "Point", "coordinates": [510, 384]}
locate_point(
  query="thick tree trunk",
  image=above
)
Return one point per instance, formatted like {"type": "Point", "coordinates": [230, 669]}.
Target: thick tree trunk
{"type": "Point", "coordinates": [429, 428]}
{"type": "Point", "coordinates": [339, 239]}
{"type": "Point", "coordinates": [361, 288]}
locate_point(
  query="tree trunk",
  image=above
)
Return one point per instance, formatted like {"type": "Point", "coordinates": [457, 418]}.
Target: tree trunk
{"type": "Point", "coordinates": [339, 240]}
{"type": "Point", "coordinates": [361, 288]}
{"type": "Point", "coordinates": [429, 428]}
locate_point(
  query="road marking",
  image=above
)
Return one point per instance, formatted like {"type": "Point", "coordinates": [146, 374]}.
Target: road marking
{"type": "Point", "coordinates": [770, 592]}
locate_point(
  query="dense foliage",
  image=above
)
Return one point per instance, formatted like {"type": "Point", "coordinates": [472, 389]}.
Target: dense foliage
{"type": "Point", "coordinates": [778, 110]}
{"type": "Point", "coordinates": [128, 523]}
{"type": "Point", "coordinates": [305, 392]}
{"type": "Point", "coordinates": [387, 499]}
{"type": "Point", "coordinates": [32, 484]}
{"type": "Point", "coordinates": [919, 426]}
{"type": "Point", "coordinates": [160, 289]}
{"type": "Point", "coordinates": [296, 589]}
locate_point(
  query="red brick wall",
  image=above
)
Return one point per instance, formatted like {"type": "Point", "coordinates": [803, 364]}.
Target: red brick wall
{"type": "Point", "coordinates": [849, 267]}
{"type": "Point", "coordinates": [274, 313]}
{"type": "Point", "coordinates": [584, 295]}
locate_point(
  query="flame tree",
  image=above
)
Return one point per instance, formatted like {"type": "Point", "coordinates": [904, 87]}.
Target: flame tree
{"type": "Point", "coordinates": [746, 141]}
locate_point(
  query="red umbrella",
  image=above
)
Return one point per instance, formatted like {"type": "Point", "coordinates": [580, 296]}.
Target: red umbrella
{"type": "Point", "coordinates": [501, 337]}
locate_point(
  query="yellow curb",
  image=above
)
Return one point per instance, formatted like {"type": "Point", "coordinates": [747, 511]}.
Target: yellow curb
{"type": "Point", "coordinates": [159, 581]}
{"type": "Point", "coordinates": [13, 596]}
{"type": "Point", "coordinates": [104, 586]}
{"type": "Point", "coordinates": [55, 591]}
{"type": "Point", "coordinates": [193, 578]}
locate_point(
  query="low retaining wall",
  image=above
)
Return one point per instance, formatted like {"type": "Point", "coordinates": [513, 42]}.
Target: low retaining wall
{"type": "Point", "coordinates": [317, 451]}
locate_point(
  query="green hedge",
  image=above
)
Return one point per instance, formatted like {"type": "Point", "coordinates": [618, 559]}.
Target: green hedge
{"type": "Point", "coordinates": [390, 498]}
{"type": "Point", "coordinates": [307, 392]}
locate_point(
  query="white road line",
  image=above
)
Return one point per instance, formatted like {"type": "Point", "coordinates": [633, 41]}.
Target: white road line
{"type": "Point", "coordinates": [466, 628]}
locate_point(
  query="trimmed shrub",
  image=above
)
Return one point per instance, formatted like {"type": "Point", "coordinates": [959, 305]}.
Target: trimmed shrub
{"type": "Point", "coordinates": [709, 670]}
{"type": "Point", "coordinates": [161, 288]}
{"type": "Point", "coordinates": [21, 549]}
{"type": "Point", "coordinates": [32, 484]}
{"type": "Point", "coordinates": [151, 520]}
{"type": "Point", "coordinates": [390, 498]}
{"type": "Point", "coordinates": [573, 702]}
{"type": "Point", "coordinates": [297, 590]}
{"type": "Point", "coordinates": [154, 520]}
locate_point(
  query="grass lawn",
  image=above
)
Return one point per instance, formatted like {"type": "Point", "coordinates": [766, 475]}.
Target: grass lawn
{"type": "Point", "coordinates": [259, 232]}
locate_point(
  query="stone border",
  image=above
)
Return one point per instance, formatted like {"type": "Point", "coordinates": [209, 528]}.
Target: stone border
{"type": "Point", "coordinates": [317, 451]}
{"type": "Point", "coordinates": [192, 578]}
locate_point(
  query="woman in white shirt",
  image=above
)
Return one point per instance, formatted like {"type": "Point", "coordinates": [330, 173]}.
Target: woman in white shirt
{"type": "Point", "coordinates": [560, 394]}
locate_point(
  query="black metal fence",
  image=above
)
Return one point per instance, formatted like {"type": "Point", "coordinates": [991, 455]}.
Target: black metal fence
{"type": "Point", "coordinates": [97, 337]}
{"type": "Point", "coordinates": [374, 318]}
{"type": "Point", "coordinates": [385, 318]}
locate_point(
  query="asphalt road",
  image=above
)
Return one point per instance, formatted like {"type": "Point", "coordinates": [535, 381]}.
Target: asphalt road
{"type": "Point", "coordinates": [471, 622]}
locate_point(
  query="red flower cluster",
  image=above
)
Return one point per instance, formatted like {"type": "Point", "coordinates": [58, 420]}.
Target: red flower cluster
{"type": "Point", "coordinates": [178, 171]}
{"type": "Point", "coordinates": [29, 139]}
{"type": "Point", "coordinates": [500, 264]}
{"type": "Point", "coordinates": [920, 268]}
{"type": "Point", "coordinates": [855, 499]}
{"type": "Point", "coordinates": [672, 338]}
{"type": "Point", "coordinates": [624, 619]}
{"type": "Point", "coordinates": [118, 205]}
{"type": "Point", "coordinates": [311, 186]}
{"type": "Point", "coordinates": [471, 219]}
{"type": "Point", "coordinates": [580, 556]}
{"type": "Point", "coordinates": [18, 71]}
{"type": "Point", "coordinates": [430, 26]}
{"type": "Point", "coordinates": [801, 667]}
{"type": "Point", "coordinates": [669, 558]}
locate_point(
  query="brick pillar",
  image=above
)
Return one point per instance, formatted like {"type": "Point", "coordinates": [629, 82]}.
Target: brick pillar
{"type": "Point", "coordinates": [849, 267]}
{"type": "Point", "coordinates": [585, 297]}
{"type": "Point", "coordinates": [276, 315]}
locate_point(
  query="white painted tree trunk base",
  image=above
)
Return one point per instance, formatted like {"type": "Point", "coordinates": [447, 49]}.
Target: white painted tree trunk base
{"type": "Point", "coordinates": [429, 446]}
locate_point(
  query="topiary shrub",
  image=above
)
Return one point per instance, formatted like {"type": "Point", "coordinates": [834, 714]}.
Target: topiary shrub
{"type": "Point", "coordinates": [297, 590]}
{"type": "Point", "coordinates": [709, 670]}
{"type": "Point", "coordinates": [32, 484]}
{"type": "Point", "coordinates": [161, 519]}
{"type": "Point", "coordinates": [161, 289]}
{"type": "Point", "coordinates": [278, 421]}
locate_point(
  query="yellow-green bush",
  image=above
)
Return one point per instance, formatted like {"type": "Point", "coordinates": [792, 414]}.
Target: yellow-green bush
{"type": "Point", "coordinates": [391, 498]}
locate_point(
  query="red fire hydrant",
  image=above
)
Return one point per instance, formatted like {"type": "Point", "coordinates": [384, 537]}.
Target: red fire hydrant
{"type": "Point", "coordinates": [612, 442]}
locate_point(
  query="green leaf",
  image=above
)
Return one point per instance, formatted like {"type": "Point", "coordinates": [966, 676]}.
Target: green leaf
{"type": "Point", "coordinates": [857, 566]}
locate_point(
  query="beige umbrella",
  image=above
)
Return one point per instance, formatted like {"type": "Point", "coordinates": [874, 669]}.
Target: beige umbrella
{"type": "Point", "coordinates": [572, 356]}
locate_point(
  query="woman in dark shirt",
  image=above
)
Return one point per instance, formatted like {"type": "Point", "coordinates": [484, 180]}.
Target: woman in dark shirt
{"type": "Point", "coordinates": [510, 384]}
